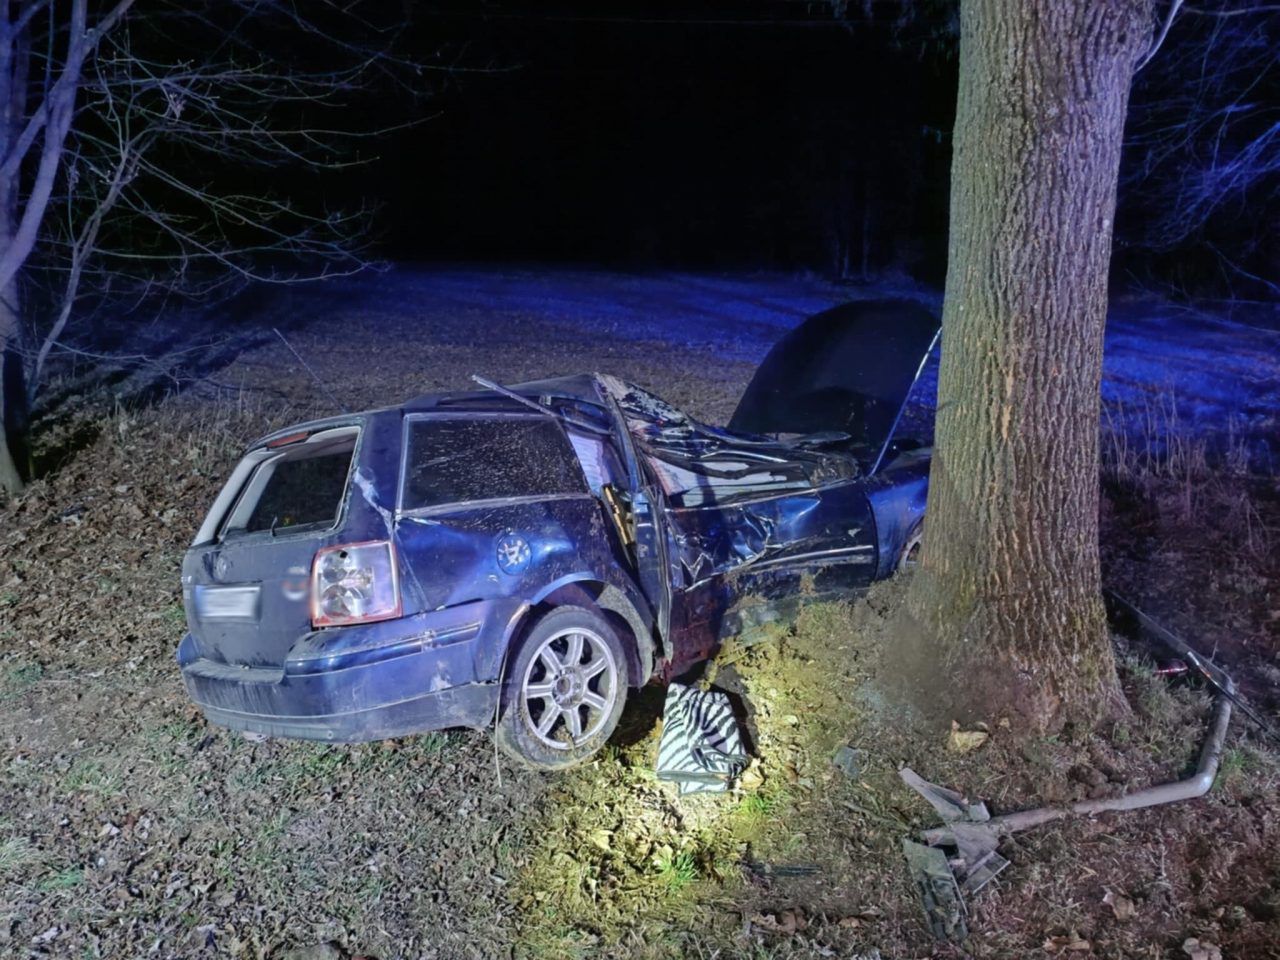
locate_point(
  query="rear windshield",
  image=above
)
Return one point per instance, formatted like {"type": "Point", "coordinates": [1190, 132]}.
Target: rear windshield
{"type": "Point", "coordinates": [456, 460]}
{"type": "Point", "coordinates": [303, 486]}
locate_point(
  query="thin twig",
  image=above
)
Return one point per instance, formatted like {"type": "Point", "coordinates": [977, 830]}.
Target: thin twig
{"type": "Point", "coordinates": [332, 399]}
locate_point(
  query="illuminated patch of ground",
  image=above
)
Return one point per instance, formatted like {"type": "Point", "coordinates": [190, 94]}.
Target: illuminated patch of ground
{"type": "Point", "coordinates": [621, 861]}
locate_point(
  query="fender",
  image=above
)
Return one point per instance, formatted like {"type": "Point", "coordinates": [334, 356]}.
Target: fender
{"type": "Point", "coordinates": [623, 599]}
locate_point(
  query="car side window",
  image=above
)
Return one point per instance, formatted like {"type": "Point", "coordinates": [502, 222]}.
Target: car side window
{"type": "Point", "coordinates": [456, 460]}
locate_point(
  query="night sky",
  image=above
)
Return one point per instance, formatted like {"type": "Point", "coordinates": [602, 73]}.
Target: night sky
{"type": "Point", "coordinates": [764, 135]}
{"type": "Point", "coordinates": [778, 136]}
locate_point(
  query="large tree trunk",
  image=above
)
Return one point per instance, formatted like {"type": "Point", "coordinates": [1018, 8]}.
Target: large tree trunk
{"type": "Point", "coordinates": [13, 77]}
{"type": "Point", "coordinates": [13, 394]}
{"type": "Point", "coordinates": [1007, 601]}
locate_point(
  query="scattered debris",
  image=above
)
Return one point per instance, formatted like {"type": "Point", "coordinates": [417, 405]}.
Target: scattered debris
{"type": "Point", "coordinates": [964, 741]}
{"type": "Point", "coordinates": [769, 871]}
{"type": "Point", "coordinates": [944, 910]}
{"type": "Point", "coordinates": [1201, 949]}
{"type": "Point", "coordinates": [1212, 674]}
{"type": "Point", "coordinates": [973, 833]}
{"type": "Point", "coordinates": [850, 761]}
{"type": "Point", "coordinates": [949, 804]}
{"type": "Point", "coordinates": [975, 862]}
{"type": "Point", "coordinates": [1120, 905]}
{"type": "Point", "coordinates": [701, 748]}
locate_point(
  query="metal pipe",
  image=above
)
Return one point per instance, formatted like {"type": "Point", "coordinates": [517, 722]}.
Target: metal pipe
{"type": "Point", "coordinates": [1197, 785]}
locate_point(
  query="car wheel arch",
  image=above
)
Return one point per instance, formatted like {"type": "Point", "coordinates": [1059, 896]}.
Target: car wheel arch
{"type": "Point", "coordinates": [621, 612]}
{"type": "Point", "coordinates": [912, 545]}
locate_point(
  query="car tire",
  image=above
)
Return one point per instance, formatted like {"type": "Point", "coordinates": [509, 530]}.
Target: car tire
{"type": "Point", "coordinates": [909, 558]}
{"type": "Point", "coordinates": [564, 688]}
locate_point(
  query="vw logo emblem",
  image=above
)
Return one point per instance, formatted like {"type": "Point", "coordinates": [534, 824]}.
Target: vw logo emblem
{"type": "Point", "coordinates": [221, 567]}
{"type": "Point", "coordinates": [514, 554]}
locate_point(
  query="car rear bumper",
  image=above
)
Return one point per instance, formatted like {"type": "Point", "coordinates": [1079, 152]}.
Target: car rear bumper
{"type": "Point", "coordinates": [389, 679]}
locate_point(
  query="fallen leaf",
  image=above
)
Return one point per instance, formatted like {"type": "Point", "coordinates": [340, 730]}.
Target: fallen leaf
{"type": "Point", "coordinates": [963, 741]}
{"type": "Point", "coordinates": [1120, 905]}
{"type": "Point", "coordinates": [792, 920]}
{"type": "Point", "coordinates": [785, 922]}
{"type": "Point", "coordinates": [1198, 949]}
{"type": "Point", "coordinates": [601, 837]}
{"type": "Point", "coordinates": [752, 778]}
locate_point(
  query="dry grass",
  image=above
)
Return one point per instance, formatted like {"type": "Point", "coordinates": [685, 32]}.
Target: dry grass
{"type": "Point", "coordinates": [1197, 480]}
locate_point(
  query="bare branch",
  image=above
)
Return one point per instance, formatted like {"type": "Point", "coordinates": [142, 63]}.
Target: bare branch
{"type": "Point", "coordinates": [29, 12]}
{"type": "Point", "coordinates": [133, 154]}
{"type": "Point", "coordinates": [1237, 12]}
{"type": "Point", "coordinates": [59, 107]}
{"type": "Point", "coordinates": [70, 77]}
{"type": "Point", "coordinates": [1174, 6]}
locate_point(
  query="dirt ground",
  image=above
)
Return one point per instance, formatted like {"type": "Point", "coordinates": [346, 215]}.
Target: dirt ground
{"type": "Point", "coordinates": [131, 828]}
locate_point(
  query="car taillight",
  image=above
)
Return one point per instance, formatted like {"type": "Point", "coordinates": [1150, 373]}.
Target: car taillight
{"type": "Point", "coordinates": [354, 583]}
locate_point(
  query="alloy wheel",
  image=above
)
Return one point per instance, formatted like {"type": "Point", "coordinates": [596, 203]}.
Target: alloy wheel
{"type": "Point", "coordinates": [569, 688]}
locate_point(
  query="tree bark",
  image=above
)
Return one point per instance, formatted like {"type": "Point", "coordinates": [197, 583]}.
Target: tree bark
{"type": "Point", "coordinates": [1007, 601]}
{"type": "Point", "coordinates": [13, 395]}
{"type": "Point", "coordinates": [13, 68]}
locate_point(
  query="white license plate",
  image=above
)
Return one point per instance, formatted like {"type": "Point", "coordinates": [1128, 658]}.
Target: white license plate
{"type": "Point", "coordinates": [227, 603]}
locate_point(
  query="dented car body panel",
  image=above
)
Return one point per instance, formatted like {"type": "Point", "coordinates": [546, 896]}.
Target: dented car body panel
{"type": "Point", "coordinates": [479, 509]}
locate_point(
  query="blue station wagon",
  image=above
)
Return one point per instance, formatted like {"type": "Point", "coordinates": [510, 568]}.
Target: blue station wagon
{"type": "Point", "coordinates": [527, 555]}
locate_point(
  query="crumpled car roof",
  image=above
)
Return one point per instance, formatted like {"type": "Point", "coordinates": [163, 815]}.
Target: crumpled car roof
{"type": "Point", "coordinates": [697, 464]}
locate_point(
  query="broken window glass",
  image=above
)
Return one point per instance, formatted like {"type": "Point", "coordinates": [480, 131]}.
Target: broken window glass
{"type": "Point", "coordinates": [303, 486]}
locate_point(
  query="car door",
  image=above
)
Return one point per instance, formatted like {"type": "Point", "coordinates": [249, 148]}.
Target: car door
{"type": "Point", "coordinates": [650, 527]}
{"type": "Point", "coordinates": [745, 563]}
{"type": "Point", "coordinates": [818, 540]}
{"type": "Point", "coordinates": [733, 521]}
{"type": "Point", "coordinates": [824, 543]}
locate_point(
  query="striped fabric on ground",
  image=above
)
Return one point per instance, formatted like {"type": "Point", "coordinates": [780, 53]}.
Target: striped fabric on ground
{"type": "Point", "coordinates": [700, 749]}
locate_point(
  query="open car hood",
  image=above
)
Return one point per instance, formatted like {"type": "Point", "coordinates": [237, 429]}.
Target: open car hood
{"type": "Point", "coordinates": [848, 369]}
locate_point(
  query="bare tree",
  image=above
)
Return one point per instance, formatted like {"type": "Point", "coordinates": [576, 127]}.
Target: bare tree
{"type": "Point", "coordinates": [128, 128]}
{"type": "Point", "coordinates": [39, 109]}
{"type": "Point", "coordinates": [1007, 603]}
{"type": "Point", "coordinates": [1201, 171]}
